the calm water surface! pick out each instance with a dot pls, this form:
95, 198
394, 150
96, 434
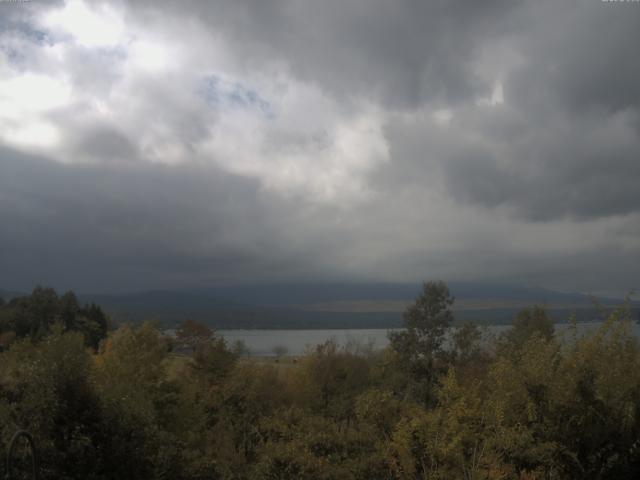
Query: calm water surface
296, 342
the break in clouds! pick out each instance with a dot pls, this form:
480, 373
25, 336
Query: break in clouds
155, 144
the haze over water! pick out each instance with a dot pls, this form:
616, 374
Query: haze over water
297, 342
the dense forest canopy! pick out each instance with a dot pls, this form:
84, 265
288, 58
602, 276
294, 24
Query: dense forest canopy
124, 404
35, 315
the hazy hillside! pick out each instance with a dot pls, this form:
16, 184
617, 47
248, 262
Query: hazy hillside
363, 305
333, 305
7, 295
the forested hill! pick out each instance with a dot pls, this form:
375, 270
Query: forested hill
335, 305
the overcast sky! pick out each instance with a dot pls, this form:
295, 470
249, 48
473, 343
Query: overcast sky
175, 144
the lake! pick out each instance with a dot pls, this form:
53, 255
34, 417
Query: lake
296, 342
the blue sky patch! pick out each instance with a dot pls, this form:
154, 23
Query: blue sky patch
223, 94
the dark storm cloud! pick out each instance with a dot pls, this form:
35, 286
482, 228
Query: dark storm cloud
577, 93
106, 143
139, 226
585, 168
579, 56
566, 141
581, 168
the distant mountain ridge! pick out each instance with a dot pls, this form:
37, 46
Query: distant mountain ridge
333, 305
309, 293
8, 295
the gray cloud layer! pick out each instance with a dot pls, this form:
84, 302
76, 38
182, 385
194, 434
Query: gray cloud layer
401, 54
282, 139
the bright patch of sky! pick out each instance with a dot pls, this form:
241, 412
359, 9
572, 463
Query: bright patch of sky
323, 156
24, 101
97, 26
289, 135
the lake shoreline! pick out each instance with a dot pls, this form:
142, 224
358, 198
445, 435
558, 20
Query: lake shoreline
267, 342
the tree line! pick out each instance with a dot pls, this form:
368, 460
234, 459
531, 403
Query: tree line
35, 315
440, 402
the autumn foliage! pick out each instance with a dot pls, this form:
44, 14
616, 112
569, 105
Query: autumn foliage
441, 402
